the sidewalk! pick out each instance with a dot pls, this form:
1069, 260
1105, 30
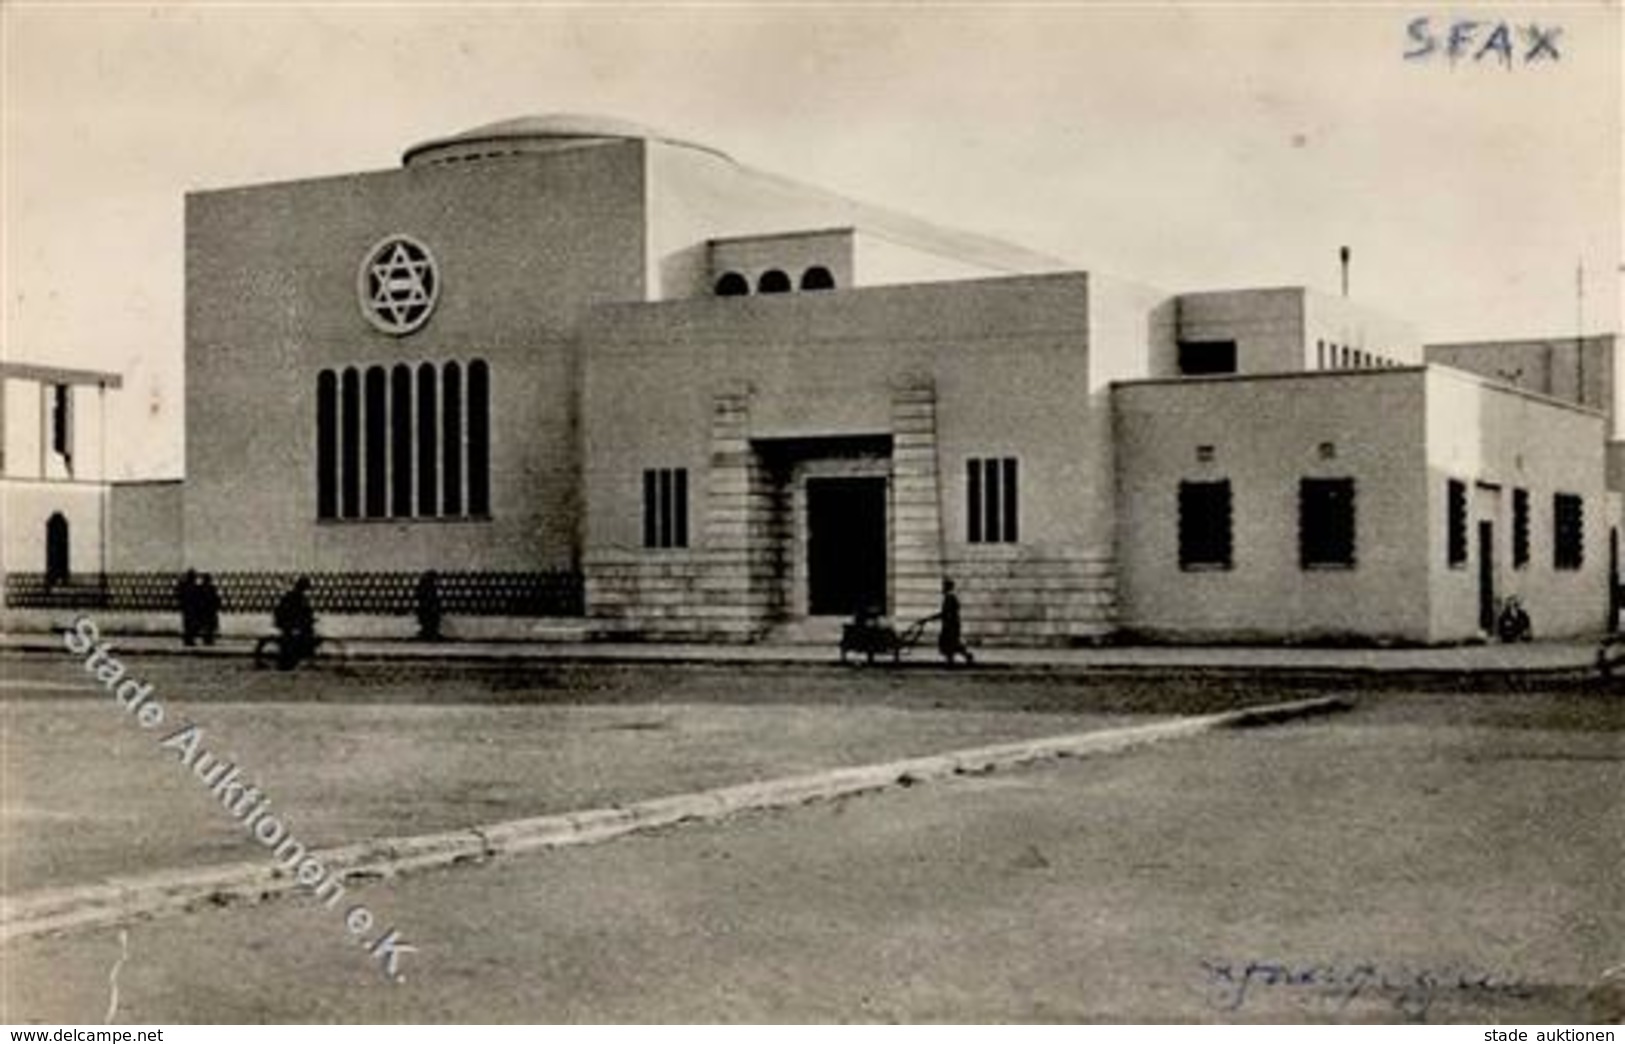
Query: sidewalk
1556, 658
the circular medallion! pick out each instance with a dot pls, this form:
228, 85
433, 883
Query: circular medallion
398, 285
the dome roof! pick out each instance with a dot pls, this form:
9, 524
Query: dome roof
538, 134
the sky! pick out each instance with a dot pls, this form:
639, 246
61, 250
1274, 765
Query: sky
1189, 146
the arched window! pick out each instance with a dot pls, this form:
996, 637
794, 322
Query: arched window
451, 401
428, 444
732, 284
773, 281
350, 442
817, 278
56, 549
479, 438
400, 441
377, 440
327, 445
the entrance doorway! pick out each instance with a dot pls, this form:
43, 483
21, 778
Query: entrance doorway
1486, 577
846, 545
56, 549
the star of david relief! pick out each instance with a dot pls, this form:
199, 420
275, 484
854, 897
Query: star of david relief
398, 285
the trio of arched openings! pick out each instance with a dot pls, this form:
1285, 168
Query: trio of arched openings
774, 281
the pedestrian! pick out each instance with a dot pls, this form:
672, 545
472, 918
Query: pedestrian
951, 638
208, 609
428, 607
295, 622
186, 600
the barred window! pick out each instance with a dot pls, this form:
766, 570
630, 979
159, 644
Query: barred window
1568, 531
1326, 523
1520, 528
1205, 535
403, 442
1456, 522
665, 507
991, 514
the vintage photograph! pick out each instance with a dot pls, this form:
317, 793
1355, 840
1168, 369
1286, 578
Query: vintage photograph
809, 514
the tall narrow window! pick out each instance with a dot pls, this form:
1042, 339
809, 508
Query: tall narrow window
350, 443
376, 424
1456, 523
665, 507
479, 438
1520, 528
327, 446
1204, 525
451, 501
991, 500
428, 443
1320, 355
1568, 531
1326, 523
62, 420
400, 441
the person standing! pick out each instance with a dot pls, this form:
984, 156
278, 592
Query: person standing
186, 600
208, 609
428, 607
295, 622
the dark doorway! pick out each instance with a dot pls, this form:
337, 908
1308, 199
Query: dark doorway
1613, 580
1486, 577
56, 549
846, 545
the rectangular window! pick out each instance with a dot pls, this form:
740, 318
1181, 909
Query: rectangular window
1204, 525
1568, 531
1200, 358
1456, 523
1326, 523
1520, 528
327, 447
992, 502
665, 507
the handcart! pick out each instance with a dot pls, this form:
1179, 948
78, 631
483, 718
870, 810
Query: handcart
872, 638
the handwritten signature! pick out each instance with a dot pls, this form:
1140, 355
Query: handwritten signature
1412, 990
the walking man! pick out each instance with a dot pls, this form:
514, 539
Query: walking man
951, 638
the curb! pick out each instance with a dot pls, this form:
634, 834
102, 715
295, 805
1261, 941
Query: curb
342, 655
120, 899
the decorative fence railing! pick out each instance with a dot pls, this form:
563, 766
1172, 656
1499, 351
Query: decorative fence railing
557, 593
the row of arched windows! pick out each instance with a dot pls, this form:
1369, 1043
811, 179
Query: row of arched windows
774, 281
404, 442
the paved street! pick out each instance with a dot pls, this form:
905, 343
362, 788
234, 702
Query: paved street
1452, 857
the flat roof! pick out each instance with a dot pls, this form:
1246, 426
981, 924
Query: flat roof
59, 374
1466, 376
